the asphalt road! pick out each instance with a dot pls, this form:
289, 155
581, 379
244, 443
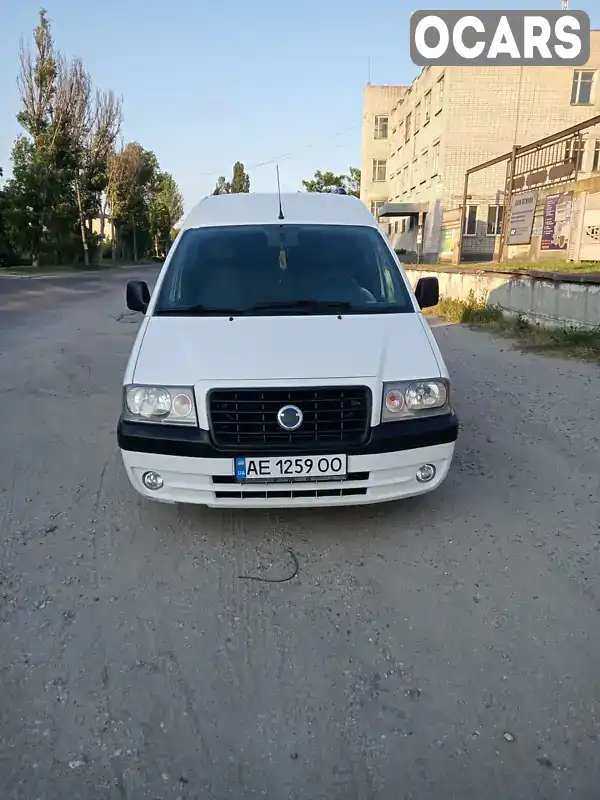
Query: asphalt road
445, 647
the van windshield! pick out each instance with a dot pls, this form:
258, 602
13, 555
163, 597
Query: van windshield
282, 269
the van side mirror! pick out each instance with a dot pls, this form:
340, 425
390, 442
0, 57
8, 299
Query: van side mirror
138, 296
427, 292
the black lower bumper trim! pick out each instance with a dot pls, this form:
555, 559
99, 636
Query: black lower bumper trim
389, 437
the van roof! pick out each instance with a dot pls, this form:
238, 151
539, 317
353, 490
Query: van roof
262, 209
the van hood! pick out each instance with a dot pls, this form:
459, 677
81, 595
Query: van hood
181, 351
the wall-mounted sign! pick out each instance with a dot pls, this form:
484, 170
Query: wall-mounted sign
538, 226
520, 221
558, 210
449, 239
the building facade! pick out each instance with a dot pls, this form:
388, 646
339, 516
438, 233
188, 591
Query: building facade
419, 140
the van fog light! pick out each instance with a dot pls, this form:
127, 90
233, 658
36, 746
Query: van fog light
426, 473
153, 481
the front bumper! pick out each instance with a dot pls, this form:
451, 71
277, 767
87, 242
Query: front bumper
194, 471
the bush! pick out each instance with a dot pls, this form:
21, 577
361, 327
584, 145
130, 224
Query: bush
569, 341
470, 310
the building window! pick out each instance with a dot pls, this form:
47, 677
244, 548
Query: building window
405, 179
425, 172
581, 91
495, 215
471, 221
396, 226
379, 170
407, 127
427, 107
376, 206
435, 159
381, 127
417, 117
574, 151
440, 94
413, 174
596, 160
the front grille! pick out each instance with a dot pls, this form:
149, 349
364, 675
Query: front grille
287, 494
351, 476
333, 417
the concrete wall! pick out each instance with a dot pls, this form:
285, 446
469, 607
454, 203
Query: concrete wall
548, 300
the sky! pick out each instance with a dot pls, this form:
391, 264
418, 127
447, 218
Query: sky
206, 83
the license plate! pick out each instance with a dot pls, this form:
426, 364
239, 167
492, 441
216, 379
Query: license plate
290, 469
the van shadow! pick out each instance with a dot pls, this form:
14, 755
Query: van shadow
353, 527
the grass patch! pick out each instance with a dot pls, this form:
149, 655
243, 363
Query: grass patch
74, 269
573, 342
56, 270
573, 267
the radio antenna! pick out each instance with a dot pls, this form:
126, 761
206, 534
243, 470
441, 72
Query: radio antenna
279, 193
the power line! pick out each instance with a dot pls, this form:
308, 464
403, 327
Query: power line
286, 156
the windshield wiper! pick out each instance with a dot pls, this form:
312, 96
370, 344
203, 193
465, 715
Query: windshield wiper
196, 310
304, 305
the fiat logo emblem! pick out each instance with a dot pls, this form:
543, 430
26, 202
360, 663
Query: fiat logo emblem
290, 418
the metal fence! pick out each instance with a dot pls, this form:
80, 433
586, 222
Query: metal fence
541, 165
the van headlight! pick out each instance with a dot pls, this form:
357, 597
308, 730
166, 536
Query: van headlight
167, 404
410, 399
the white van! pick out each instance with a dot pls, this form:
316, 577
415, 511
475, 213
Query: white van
283, 361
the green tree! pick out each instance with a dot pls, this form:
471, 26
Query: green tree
132, 173
94, 126
165, 209
39, 161
353, 182
65, 169
6, 250
71, 129
34, 188
222, 186
240, 182
328, 181
324, 182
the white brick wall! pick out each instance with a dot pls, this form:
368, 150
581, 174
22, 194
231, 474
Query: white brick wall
377, 100
486, 110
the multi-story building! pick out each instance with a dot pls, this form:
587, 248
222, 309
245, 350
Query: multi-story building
418, 141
